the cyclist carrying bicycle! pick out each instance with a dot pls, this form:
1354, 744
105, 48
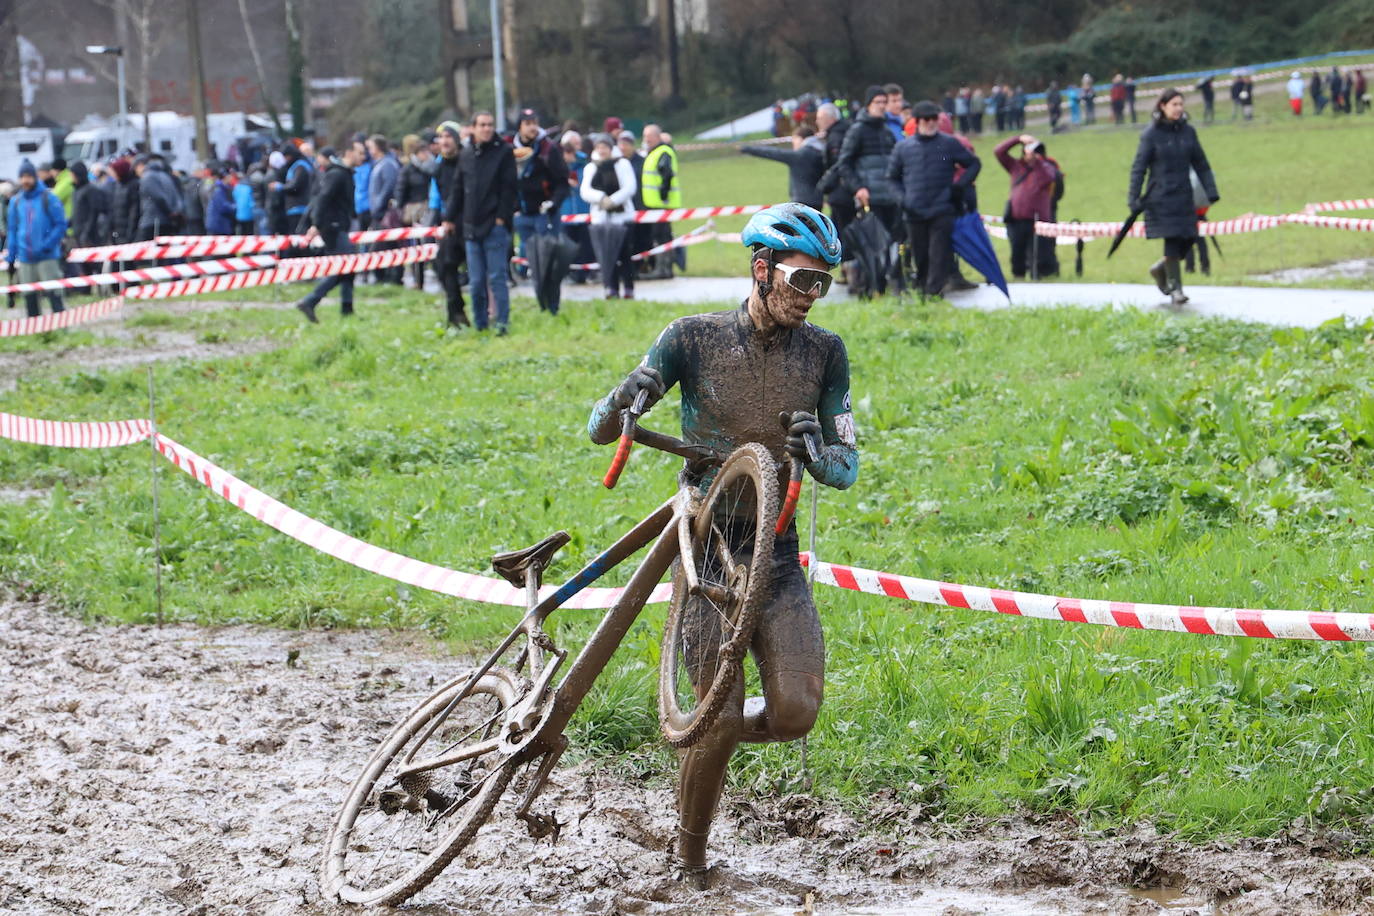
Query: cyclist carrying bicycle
739, 371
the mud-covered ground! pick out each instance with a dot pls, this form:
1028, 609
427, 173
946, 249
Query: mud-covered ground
190, 770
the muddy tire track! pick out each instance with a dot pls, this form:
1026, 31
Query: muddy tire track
193, 770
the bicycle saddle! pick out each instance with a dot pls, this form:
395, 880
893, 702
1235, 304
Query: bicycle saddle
512, 565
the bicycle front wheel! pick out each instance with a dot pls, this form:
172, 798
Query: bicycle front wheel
400, 826
729, 549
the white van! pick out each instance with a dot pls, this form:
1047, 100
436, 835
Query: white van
20, 143
173, 137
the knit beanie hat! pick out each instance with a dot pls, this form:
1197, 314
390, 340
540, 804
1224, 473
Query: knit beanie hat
872, 91
26, 168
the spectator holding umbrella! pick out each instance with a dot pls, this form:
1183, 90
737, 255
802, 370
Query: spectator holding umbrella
1168, 149
922, 167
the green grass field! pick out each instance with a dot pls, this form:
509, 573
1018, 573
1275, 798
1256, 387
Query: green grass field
1126, 455
1274, 164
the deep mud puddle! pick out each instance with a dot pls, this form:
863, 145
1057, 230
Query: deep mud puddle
190, 770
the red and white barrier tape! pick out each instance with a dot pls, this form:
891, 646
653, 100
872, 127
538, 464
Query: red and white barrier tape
289, 271
63, 319
1326, 206
195, 246
362, 554
1332, 222
73, 435
1266, 624
1210, 621
147, 274
673, 216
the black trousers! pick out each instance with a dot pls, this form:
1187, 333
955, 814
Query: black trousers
929, 243
1027, 249
842, 213
448, 266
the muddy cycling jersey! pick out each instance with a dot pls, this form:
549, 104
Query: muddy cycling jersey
735, 380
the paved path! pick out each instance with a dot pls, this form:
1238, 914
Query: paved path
1269, 305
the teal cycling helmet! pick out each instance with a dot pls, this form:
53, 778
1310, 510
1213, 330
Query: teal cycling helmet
793, 227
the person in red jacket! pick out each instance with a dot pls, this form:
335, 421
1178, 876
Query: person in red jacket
1035, 187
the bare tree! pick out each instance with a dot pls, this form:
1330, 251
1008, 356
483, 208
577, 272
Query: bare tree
267, 100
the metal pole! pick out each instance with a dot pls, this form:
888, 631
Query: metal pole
497, 67
123, 102
157, 518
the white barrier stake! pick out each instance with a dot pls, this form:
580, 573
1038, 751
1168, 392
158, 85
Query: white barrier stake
157, 518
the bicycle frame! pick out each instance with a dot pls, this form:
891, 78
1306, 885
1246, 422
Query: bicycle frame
534, 726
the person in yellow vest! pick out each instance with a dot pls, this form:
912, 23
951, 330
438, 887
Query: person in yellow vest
662, 190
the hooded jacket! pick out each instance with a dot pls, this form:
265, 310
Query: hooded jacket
543, 175
158, 197
483, 188
331, 211
90, 210
219, 215
923, 167
864, 159
36, 224
1167, 151
805, 166
124, 206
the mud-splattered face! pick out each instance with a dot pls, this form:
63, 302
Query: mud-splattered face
785, 306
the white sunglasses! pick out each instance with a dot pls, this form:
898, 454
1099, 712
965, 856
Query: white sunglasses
806, 280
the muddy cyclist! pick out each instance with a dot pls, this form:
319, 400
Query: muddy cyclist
740, 373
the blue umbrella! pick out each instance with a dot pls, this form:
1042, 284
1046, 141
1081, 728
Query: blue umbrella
971, 242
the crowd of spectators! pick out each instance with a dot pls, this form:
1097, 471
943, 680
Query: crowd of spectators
496, 194
486, 189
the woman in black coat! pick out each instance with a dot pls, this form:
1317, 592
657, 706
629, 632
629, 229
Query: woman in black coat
1169, 147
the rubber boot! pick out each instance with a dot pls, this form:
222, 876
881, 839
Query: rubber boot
1160, 276
1176, 296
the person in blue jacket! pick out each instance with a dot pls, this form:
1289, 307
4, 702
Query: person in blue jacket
36, 223
219, 215
243, 206
362, 176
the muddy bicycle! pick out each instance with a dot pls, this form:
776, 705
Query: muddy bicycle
438, 777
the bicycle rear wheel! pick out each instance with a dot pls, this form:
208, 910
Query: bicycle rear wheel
397, 829
730, 550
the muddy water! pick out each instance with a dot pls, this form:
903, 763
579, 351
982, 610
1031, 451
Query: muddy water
195, 771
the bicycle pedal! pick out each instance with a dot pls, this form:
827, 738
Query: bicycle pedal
543, 825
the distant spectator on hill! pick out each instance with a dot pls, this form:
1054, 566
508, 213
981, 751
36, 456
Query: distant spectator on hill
977, 107
1117, 97
1209, 99
1130, 97
1317, 88
1017, 119
1054, 101
961, 110
1087, 95
1360, 90
1297, 87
